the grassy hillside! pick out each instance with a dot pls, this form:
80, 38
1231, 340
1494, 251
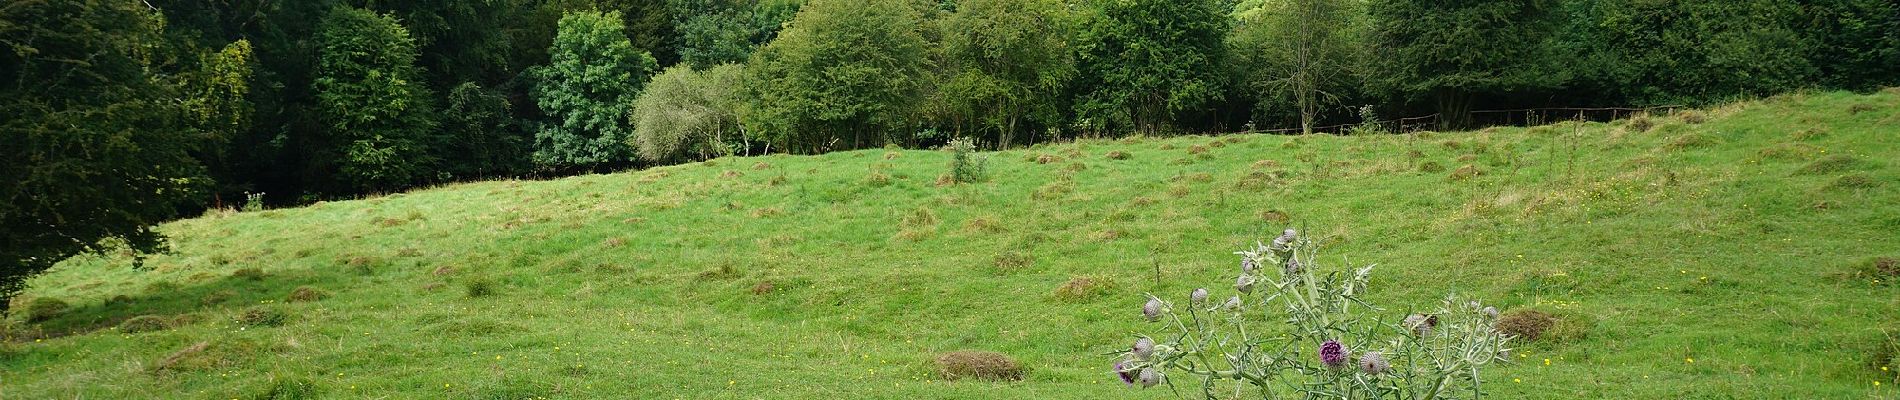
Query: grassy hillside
1718, 253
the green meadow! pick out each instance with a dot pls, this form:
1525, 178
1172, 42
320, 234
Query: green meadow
1731, 252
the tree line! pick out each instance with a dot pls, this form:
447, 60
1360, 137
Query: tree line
119, 114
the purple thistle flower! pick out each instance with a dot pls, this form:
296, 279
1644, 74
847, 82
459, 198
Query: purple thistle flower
1247, 265
1244, 284
1293, 267
1199, 296
1285, 241
1144, 348
1332, 354
1127, 376
1152, 310
1374, 363
1149, 377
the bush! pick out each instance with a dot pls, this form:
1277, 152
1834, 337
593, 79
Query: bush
686, 114
974, 364
965, 165
45, 308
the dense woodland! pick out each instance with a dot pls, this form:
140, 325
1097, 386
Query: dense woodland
118, 114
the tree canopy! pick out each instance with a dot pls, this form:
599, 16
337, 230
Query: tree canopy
593, 76
98, 148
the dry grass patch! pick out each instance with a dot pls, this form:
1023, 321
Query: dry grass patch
1084, 287
1117, 155
984, 224
306, 294
980, 365
1467, 171
1526, 325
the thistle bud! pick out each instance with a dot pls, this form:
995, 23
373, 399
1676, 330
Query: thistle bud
1244, 284
1421, 324
1199, 296
1247, 265
1491, 312
1152, 310
1293, 267
1374, 363
1144, 348
1233, 303
1332, 354
1149, 377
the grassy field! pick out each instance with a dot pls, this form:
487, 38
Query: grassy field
1721, 253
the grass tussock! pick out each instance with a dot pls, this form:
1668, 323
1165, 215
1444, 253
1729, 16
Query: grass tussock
1084, 288
250, 274
978, 365
304, 294
261, 316
144, 323
1853, 182
1832, 164
41, 309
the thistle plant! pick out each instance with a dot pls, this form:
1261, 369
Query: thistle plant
1325, 341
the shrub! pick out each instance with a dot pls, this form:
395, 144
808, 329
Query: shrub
685, 114
1336, 345
965, 165
143, 323
261, 316
1526, 324
45, 308
975, 364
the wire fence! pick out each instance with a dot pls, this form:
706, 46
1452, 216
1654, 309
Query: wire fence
1517, 117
